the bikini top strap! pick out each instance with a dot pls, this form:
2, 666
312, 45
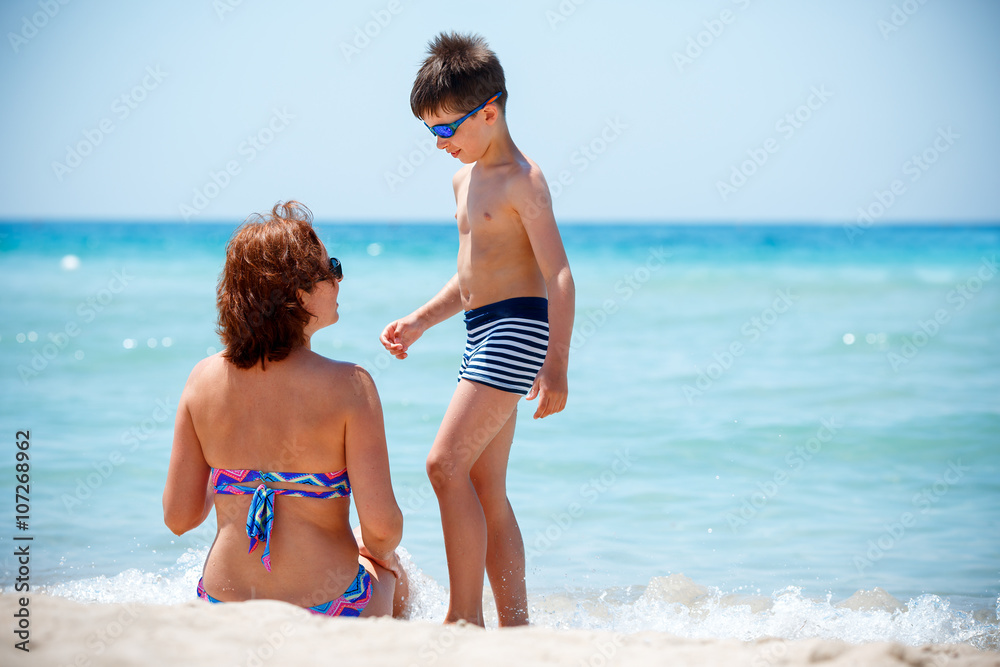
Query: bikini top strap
227, 481
260, 515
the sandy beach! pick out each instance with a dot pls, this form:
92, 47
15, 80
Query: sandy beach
64, 632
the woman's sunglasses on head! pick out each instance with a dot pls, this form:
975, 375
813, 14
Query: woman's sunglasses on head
448, 130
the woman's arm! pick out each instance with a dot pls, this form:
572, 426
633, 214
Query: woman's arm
187, 499
368, 468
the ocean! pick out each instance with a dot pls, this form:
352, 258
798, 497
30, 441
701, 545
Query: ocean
772, 430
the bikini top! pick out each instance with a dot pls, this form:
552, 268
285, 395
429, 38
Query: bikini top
260, 516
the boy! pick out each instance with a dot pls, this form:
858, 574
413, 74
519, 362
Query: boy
515, 286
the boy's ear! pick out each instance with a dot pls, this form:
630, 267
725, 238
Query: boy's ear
490, 114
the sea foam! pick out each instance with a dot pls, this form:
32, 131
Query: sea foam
671, 604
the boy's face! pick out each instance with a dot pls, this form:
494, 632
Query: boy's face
471, 138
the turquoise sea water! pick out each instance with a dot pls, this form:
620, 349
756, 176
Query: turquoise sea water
763, 420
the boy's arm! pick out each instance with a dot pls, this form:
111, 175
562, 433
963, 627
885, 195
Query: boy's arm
530, 198
398, 336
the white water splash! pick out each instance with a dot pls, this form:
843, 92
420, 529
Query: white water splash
675, 605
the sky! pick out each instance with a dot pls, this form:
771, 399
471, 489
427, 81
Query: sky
716, 111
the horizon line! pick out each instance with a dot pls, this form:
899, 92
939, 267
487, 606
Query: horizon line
571, 222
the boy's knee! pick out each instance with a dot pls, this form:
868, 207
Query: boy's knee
489, 491
440, 471
496, 507
496, 512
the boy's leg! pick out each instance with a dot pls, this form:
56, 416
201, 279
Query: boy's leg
505, 548
474, 417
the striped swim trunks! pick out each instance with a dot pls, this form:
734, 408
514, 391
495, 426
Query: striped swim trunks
506, 343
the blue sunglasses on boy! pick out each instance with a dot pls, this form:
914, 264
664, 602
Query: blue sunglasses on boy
448, 130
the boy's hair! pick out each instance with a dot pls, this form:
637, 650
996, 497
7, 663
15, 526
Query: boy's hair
460, 73
268, 259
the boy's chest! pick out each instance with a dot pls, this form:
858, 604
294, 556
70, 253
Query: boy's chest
482, 208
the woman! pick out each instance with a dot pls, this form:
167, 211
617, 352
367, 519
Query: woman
269, 404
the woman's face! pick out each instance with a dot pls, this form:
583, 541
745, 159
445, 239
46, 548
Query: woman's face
321, 301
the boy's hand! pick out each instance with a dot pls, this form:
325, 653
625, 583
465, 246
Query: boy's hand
551, 388
398, 336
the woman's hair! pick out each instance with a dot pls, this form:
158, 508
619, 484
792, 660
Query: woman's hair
268, 259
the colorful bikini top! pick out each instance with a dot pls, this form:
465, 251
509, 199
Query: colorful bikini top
260, 516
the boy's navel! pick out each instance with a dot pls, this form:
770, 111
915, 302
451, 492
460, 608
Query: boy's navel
487, 216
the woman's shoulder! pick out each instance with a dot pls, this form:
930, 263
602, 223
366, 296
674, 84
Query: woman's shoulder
345, 387
206, 369
344, 374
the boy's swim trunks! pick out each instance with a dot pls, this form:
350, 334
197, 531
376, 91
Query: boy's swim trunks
506, 343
